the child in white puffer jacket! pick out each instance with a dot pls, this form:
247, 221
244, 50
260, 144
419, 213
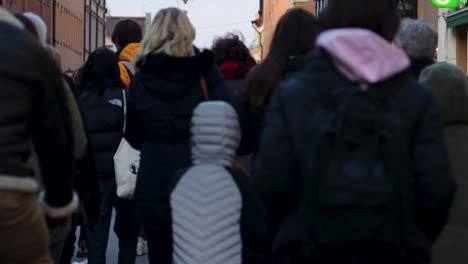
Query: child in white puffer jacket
216, 217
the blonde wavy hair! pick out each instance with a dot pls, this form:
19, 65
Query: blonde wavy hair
171, 33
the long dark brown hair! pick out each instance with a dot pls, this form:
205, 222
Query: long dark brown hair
100, 71
294, 35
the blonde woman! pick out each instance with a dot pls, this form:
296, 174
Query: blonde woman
164, 92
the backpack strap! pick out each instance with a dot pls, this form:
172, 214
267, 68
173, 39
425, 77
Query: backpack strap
130, 67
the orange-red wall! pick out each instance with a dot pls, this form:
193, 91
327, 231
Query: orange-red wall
272, 12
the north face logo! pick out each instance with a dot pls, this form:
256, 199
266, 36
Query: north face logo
117, 102
134, 168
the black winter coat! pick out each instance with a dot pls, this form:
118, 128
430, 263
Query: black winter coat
419, 64
33, 110
104, 117
283, 157
160, 104
251, 117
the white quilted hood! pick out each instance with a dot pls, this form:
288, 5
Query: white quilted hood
215, 133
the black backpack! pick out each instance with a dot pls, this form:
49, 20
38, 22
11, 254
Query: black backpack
357, 205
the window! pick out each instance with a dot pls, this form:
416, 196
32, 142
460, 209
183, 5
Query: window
320, 6
408, 8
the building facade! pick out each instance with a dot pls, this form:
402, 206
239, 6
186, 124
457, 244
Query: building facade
273, 10
67, 32
256, 48
420, 9
453, 37
94, 26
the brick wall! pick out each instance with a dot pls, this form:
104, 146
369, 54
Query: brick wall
273, 10
309, 6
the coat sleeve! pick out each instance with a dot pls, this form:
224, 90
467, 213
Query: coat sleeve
434, 184
273, 169
254, 233
53, 141
134, 130
80, 139
251, 122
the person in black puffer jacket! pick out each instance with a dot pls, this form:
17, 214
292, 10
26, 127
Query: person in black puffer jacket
164, 92
101, 101
306, 211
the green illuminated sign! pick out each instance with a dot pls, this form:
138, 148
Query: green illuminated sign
448, 3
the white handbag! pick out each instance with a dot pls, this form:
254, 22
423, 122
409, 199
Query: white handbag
126, 163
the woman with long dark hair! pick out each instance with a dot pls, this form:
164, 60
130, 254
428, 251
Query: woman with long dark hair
294, 36
101, 100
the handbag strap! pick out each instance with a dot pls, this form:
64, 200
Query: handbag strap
124, 110
204, 88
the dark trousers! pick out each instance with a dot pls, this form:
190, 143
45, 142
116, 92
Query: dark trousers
159, 245
69, 248
125, 227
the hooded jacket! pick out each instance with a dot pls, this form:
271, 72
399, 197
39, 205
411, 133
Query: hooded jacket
227, 212
126, 56
34, 110
103, 115
450, 88
162, 97
348, 57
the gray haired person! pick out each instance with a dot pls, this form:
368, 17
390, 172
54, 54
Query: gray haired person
419, 40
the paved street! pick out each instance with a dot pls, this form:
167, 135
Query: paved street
113, 250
